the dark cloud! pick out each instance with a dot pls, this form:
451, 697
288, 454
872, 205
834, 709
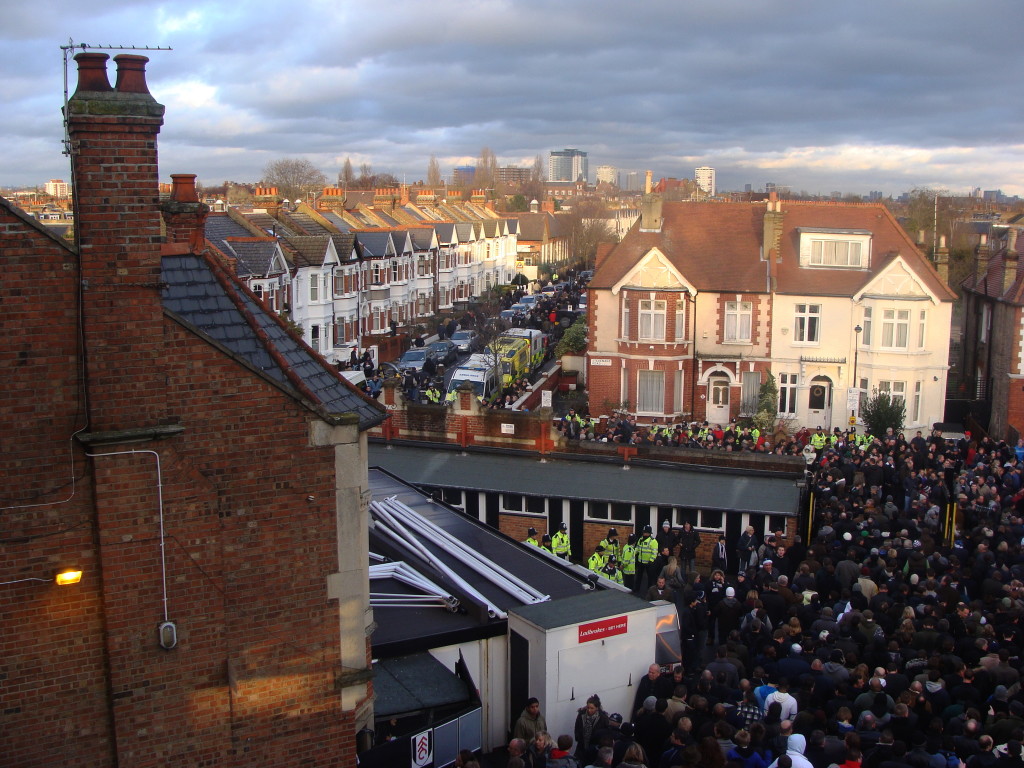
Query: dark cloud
817, 96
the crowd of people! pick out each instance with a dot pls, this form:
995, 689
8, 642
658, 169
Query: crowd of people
886, 640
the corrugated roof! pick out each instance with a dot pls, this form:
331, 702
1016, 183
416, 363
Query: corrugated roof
200, 293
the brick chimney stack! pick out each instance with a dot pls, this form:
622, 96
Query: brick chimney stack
942, 259
184, 215
117, 221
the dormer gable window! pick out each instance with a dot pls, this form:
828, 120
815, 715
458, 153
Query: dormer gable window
835, 248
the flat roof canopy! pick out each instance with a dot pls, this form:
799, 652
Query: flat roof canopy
678, 486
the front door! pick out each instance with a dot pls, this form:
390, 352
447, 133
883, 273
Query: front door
819, 403
718, 400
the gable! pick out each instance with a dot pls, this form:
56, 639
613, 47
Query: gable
896, 281
654, 270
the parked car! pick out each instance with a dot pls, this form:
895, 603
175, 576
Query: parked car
413, 359
443, 352
586, 276
466, 341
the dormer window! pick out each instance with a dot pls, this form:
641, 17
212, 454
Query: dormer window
835, 249
835, 253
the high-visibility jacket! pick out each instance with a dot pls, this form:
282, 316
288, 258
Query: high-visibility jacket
532, 540
433, 396
818, 440
628, 559
611, 547
646, 550
596, 562
450, 397
560, 544
612, 574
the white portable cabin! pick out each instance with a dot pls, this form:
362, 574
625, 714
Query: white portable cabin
563, 651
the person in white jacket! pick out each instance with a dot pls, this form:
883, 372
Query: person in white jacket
786, 701
795, 752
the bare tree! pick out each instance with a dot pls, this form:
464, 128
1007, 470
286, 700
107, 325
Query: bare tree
433, 172
486, 170
294, 177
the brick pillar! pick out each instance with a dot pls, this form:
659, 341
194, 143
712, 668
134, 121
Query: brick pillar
114, 166
184, 216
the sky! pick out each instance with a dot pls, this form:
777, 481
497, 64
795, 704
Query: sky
811, 95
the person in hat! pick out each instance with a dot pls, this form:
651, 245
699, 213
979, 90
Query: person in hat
545, 543
627, 562
560, 542
531, 537
646, 559
667, 537
611, 543
597, 560
611, 570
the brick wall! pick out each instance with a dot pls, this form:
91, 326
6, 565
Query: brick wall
249, 506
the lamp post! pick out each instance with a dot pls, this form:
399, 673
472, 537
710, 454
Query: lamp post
856, 385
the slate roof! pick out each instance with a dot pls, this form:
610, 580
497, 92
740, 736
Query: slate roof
445, 231
310, 250
422, 237
253, 256
201, 293
220, 226
309, 224
337, 221
375, 244
534, 227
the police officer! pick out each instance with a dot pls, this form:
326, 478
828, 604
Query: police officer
611, 570
819, 440
531, 537
560, 542
433, 395
611, 543
545, 543
646, 557
450, 397
596, 561
628, 561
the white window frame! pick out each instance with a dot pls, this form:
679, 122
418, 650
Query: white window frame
625, 319
718, 391
865, 337
680, 322
842, 254
894, 389
651, 319
650, 392
738, 322
918, 397
788, 394
807, 324
315, 340
922, 328
895, 323
314, 287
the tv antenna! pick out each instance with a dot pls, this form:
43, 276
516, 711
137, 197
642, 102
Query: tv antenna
73, 46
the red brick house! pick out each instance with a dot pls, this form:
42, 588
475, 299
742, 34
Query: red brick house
203, 469
701, 301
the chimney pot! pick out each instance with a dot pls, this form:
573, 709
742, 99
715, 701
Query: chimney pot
92, 72
183, 189
131, 73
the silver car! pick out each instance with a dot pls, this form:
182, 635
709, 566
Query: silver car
466, 341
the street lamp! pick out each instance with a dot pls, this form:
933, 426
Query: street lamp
856, 348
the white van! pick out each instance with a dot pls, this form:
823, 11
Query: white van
479, 371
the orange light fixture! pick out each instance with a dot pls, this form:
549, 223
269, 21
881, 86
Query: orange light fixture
64, 578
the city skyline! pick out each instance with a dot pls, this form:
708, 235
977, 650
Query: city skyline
879, 97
